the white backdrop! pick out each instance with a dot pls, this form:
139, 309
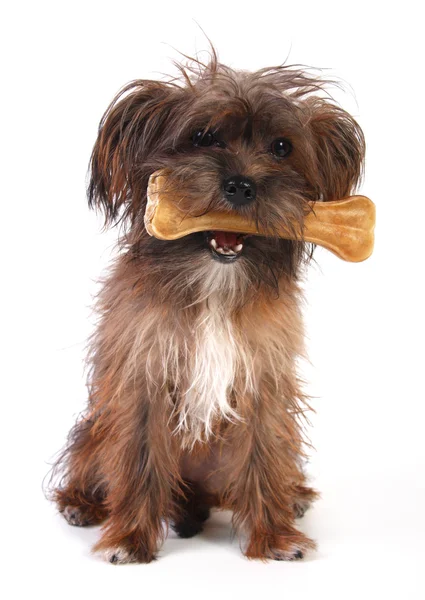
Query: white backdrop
62, 63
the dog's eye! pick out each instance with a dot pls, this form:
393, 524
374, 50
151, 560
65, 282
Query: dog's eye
281, 147
204, 139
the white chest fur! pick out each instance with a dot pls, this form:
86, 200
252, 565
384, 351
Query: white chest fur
211, 373
218, 357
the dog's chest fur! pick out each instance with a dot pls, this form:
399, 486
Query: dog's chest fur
213, 355
216, 360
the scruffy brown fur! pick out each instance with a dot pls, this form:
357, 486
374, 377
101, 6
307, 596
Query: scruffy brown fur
194, 397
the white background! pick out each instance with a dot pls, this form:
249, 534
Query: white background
62, 63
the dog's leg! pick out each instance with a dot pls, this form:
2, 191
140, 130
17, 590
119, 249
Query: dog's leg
81, 496
264, 487
141, 466
192, 512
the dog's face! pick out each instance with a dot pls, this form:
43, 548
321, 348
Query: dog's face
261, 143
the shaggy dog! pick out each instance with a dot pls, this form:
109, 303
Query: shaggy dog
194, 397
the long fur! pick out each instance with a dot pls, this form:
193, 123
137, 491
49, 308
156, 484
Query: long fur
194, 395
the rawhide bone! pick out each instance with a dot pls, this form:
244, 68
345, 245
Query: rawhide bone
345, 227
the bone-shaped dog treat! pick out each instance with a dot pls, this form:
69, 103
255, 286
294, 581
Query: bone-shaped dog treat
345, 227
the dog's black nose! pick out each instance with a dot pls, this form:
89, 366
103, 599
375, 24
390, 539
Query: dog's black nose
239, 190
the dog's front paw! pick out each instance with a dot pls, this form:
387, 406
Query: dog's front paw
288, 546
291, 553
118, 556
132, 548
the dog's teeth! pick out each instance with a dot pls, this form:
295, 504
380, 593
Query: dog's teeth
226, 251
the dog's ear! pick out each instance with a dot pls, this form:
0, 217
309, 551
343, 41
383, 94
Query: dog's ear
340, 149
130, 130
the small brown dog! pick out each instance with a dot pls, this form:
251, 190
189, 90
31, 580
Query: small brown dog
194, 396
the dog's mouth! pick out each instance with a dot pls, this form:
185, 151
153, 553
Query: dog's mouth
225, 246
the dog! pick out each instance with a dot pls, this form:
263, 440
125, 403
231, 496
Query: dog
194, 398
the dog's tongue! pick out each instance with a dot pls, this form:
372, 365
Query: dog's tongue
226, 239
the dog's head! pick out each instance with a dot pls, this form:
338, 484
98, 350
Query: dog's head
262, 143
